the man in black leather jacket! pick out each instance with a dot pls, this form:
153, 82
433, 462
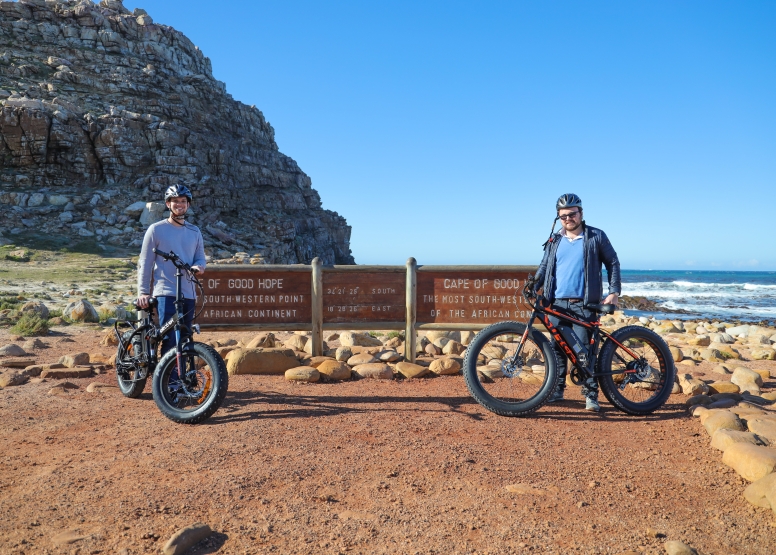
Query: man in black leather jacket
571, 277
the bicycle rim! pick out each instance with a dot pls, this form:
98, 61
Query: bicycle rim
640, 384
504, 382
196, 387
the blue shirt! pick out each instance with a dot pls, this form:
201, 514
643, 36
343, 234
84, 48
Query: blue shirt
570, 268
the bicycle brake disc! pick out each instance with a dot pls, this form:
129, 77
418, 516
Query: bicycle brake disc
511, 367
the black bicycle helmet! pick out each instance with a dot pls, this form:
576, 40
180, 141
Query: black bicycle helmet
178, 191
569, 200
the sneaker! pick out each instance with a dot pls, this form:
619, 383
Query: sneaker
557, 395
592, 405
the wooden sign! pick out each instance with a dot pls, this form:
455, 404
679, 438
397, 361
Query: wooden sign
363, 296
243, 297
471, 296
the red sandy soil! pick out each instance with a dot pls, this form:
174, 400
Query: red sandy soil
411, 466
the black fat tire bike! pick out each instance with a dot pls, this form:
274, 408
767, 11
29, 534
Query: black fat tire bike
511, 369
190, 382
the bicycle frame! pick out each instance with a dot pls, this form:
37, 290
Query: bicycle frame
150, 335
543, 313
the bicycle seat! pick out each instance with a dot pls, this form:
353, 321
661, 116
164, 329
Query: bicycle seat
602, 308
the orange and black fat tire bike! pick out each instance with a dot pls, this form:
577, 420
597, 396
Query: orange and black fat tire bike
511, 368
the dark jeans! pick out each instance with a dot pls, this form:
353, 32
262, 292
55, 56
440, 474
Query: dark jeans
575, 310
166, 312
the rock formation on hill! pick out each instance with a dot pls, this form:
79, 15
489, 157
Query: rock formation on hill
102, 108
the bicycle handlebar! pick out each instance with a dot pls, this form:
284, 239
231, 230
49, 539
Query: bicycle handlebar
175, 259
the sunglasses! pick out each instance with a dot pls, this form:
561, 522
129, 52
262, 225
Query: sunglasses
565, 217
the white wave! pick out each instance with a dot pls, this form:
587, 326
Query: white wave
674, 294
755, 286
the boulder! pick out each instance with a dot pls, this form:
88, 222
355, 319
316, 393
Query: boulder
12, 378
62, 373
296, 342
723, 438
410, 370
81, 311
388, 356
343, 353
764, 427
722, 419
152, 213
766, 353
433, 335
432, 350
303, 374
335, 370
377, 371
466, 337
260, 361
764, 373
723, 387
262, 341
445, 367
721, 369
315, 362
700, 341
453, 348
74, 359
440, 342
752, 462
692, 386
355, 339
675, 547
743, 376
666, 327
363, 358
35, 307
676, 352
185, 538
712, 355
12, 350
135, 209
308, 348
760, 492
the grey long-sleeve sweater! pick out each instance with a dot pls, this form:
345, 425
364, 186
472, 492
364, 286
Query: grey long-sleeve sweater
185, 241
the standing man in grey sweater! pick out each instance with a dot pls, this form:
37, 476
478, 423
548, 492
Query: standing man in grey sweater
156, 276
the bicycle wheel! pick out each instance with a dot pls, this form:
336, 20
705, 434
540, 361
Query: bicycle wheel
197, 394
639, 385
506, 384
129, 374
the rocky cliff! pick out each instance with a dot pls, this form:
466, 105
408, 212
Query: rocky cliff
102, 108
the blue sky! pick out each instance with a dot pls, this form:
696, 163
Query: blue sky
445, 130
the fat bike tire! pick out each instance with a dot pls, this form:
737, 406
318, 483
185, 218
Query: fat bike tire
129, 383
646, 390
202, 390
503, 387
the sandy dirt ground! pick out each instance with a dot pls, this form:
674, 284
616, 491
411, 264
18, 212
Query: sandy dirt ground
411, 466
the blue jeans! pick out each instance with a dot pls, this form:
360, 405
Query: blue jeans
166, 310
578, 311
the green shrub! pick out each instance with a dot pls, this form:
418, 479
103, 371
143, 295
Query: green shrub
31, 324
105, 313
395, 333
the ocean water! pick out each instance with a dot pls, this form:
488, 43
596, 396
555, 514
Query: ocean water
748, 296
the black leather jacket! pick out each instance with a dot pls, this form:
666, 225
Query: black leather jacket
598, 251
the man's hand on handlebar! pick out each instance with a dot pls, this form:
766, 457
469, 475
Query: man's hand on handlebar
142, 301
197, 270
